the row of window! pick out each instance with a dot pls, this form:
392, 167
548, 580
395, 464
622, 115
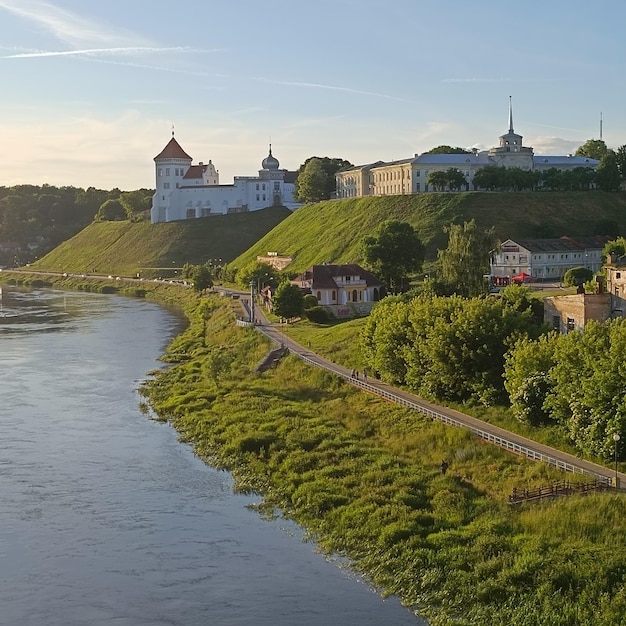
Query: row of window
178, 171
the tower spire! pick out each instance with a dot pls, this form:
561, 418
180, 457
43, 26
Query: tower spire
510, 114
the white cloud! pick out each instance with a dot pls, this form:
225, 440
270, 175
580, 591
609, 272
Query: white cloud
555, 146
67, 26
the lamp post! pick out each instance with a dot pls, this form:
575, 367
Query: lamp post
616, 438
252, 301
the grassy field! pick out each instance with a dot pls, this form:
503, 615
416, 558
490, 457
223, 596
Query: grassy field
362, 475
125, 248
332, 231
328, 231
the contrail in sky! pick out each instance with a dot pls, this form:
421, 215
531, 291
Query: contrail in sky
100, 51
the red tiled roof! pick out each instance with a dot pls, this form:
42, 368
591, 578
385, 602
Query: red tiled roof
195, 171
172, 151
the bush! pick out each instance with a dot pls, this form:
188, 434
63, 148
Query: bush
577, 276
317, 314
310, 301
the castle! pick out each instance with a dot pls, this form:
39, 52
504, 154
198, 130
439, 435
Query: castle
185, 191
408, 176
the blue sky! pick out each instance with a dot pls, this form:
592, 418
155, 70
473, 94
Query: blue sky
90, 90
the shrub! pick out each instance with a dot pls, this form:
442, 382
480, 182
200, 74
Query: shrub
317, 314
310, 301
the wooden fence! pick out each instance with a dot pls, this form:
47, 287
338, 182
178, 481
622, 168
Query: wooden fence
556, 490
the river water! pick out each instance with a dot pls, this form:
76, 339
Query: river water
106, 519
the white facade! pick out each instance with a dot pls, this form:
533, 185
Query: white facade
547, 259
186, 191
409, 176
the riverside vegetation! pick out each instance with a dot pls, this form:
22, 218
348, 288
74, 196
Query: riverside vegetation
362, 476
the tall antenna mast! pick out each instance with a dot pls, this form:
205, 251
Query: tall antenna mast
600, 125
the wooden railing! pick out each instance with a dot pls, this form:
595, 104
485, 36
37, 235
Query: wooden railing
556, 490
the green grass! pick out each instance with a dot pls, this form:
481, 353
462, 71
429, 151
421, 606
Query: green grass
125, 248
361, 475
332, 231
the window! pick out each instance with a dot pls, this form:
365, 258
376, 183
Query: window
160, 172
556, 322
263, 186
166, 185
334, 295
257, 187
263, 197
257, 196
167, 171
276, 186
417, 173
618, 274
570, 324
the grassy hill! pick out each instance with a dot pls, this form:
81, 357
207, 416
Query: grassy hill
126, 248
332, 231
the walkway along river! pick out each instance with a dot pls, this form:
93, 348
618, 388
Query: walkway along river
493, 434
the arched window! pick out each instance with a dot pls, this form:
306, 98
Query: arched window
354, 295
334, 298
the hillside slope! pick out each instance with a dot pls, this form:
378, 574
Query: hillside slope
332, 231
126, 248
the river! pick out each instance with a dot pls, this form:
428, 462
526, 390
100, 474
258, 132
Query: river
106, 519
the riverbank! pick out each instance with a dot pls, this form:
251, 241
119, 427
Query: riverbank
363, 477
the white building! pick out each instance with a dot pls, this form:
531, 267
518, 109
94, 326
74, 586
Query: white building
185, 191
409, 176
547, 259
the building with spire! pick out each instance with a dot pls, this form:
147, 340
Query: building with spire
409, 176
185, 191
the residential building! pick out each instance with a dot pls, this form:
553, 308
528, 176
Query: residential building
186, 191
410, 175
345, 290
546, 259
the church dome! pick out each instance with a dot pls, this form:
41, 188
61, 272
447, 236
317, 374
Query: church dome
270, 162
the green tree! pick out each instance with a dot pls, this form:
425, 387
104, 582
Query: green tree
577, 276
202, 277
490, 177
316, 178
111, 211
589, 380
288, 301
447, 150
465, 261
593, 149
620, 156
260, 274
527, 378
607, 174
393, 252
616, 247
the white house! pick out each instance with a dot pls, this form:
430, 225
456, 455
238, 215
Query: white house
186, 191
409, 176
546, 259
345, 290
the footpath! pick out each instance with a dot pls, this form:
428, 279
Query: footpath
511, 442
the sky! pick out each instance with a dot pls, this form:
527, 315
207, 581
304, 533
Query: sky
91, 91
